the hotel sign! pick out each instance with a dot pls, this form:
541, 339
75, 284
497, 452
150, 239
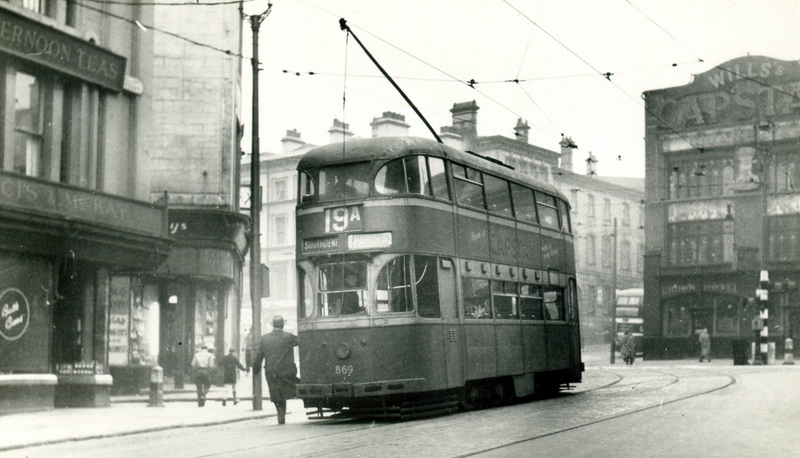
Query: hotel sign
47, 46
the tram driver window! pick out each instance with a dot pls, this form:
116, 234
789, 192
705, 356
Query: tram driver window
477, 299
343, 288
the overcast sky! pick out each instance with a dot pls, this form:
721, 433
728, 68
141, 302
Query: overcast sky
558, 50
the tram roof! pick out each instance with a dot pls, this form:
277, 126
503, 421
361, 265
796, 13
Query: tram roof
385, 148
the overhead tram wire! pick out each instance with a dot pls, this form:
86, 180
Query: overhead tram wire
195, 3
150, 27
664, 30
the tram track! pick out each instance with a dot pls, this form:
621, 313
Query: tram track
361, 439
676, 379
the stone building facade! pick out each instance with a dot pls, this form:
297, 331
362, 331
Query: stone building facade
722, 167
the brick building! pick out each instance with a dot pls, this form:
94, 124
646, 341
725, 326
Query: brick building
722, 167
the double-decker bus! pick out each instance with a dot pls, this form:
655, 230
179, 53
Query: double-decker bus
430, 279
629, 315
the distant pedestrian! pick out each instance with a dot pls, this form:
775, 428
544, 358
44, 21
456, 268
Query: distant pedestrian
276, 349
229, 363
705, 345
202, 364
628, 348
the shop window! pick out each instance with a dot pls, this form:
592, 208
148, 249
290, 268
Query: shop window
726, 318
207, 300
677, 320
28, 124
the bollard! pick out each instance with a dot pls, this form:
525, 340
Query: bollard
156, 387
788, 353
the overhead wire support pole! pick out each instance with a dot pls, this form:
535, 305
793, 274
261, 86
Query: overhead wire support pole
255, 211
343, 25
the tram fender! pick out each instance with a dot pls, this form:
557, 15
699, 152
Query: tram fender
523, 385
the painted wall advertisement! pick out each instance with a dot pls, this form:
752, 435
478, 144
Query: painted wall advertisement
119, 321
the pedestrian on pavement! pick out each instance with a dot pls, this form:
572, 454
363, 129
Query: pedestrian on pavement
628, 348
229, 363
276, 349
202, 364
705, 345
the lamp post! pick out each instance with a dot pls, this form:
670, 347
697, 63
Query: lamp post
612, 359
255, 210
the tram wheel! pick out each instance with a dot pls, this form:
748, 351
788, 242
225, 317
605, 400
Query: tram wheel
471, 397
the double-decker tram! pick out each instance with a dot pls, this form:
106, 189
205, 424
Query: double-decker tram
430, 279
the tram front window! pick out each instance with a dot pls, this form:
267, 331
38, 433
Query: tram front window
343, 289
343, 182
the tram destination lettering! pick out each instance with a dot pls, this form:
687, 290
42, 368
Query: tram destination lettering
321, 245
344, 219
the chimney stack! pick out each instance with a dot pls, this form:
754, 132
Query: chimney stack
567, 145
451, 137
521, 130
291, 141
390, 125
465, 119
340, 131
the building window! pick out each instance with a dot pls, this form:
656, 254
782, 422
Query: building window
606, 209
640, 259
590, 250
573, 200
784, 238
608, 254
626, 214
279, 230
279, 280
279, 190
28, 124
698, 179
590, 207
625, 255
697, 243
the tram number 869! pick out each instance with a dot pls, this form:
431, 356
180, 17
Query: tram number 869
344, 370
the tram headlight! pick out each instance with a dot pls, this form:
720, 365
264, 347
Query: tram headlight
343, 351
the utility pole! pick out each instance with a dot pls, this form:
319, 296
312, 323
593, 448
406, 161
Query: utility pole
614, 297
255, 211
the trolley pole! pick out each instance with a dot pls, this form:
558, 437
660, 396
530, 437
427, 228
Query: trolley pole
255, 211
614, 297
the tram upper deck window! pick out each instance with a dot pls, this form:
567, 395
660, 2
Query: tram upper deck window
393, 290
498, 199
548, 213
413, 175
306, 188
343, 182
524, 205
468, 187
343, 288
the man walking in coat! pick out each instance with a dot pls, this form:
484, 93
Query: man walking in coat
276, 349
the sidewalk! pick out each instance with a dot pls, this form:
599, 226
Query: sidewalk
131, 414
